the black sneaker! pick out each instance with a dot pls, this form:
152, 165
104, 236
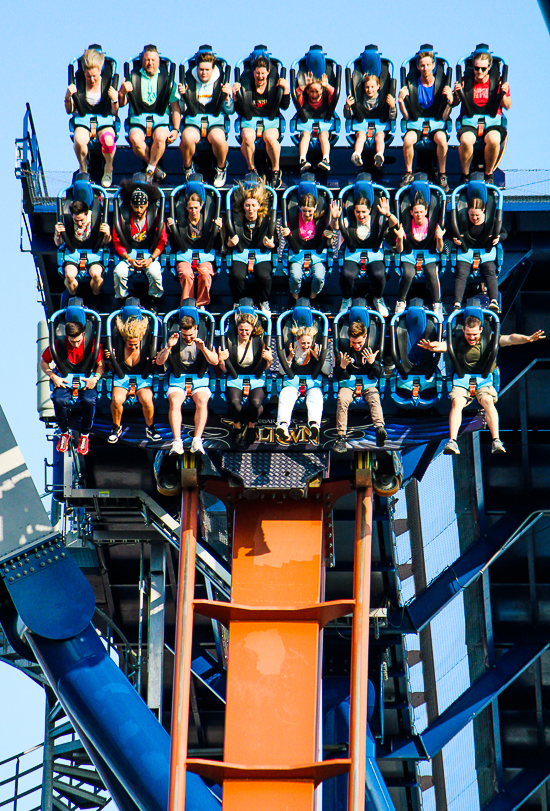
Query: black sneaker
407, 178
324, 165
340, 445
276, 179
114, 436
464, 179
305, 165
282, 434
443, 182
381, 436
313, 433
152, 434
490, 178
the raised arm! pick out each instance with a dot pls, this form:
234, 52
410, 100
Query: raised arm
514, 339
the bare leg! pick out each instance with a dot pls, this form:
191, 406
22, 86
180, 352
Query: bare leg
136, 137
248, 147
379, 143
324, 143
441, 145
492, 148
360, 140
159, 145
220, 147
409, 140
71, 282
455, 417
201, 398
145, 397
190, 137
175, 401
118, 398
81, 140
304, 145
96, 278
488, 405
466, 151
273, 147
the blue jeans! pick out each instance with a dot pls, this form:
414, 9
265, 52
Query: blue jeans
87, 398
317, 272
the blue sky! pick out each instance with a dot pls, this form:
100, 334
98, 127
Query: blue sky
39, 39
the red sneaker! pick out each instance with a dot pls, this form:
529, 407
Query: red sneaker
63, 444
83, 444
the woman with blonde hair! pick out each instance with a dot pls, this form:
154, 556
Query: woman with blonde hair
93, 102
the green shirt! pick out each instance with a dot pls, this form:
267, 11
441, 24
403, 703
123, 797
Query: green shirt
149, 86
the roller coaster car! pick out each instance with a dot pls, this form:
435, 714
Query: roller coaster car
477, 250
373, 247
206, 328
207, 248
416, 381
375, 325
481, 117
93, 116
317, 63
196, 114
425, 120
229, 341
235, 226
298, 249
75, 312
302, 315
490, 334
436, 200
360, 118
148, 349
144, 115
244, 98
82, 253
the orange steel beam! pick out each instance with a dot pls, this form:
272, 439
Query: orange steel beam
184, 638
360, 649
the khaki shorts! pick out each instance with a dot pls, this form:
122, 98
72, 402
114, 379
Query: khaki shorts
459, 391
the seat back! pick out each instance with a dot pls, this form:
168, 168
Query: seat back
167, 74
186, 68
122, 214
94, 196
410, 79
229, 339
109, 77
370, 62
302, 315
498, 75
315, 61
493, 200
235, 217
206, 328
291, 209
75, 312
244, 75
211, 199
362, 188
149, 342
407, 329
435, 199
490, 325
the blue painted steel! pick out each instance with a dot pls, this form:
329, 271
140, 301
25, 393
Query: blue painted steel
414, 617
60, 586
518, 790
115, 719
211, 674
467, 706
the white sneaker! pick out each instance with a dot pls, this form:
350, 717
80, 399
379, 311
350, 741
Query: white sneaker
380, 305
438, 309
197, 446
356, 159
378, 160
264, 307
176, 447
400, 307
346, 304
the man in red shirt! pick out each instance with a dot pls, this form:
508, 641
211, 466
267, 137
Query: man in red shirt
63, 391
493, 131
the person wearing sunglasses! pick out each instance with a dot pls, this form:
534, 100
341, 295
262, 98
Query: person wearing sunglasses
485, 95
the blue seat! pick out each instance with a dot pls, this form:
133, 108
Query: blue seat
243, 75
374, 248
149, 347
229, 339
234, 220
315, 61
206, 330
376, 328
302, 315
425, 120
208, 247
472, 114
141, 114
91, 250
75, 312
490, 324
474, 251
100, 115
289, 213
436, 201
416, 382
370, 62
213, 115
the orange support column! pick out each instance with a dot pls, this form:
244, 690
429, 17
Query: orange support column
275, 619
184, 638
360, 649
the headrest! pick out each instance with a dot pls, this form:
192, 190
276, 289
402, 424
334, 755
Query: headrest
416, 322
195, 186
95, 47
189, 308
420, 187
363, 188
482, 48
358, 312
82, 189
477, 188
371, 62
301, 314
473, 308
425, 47
132, 309
246, 305
259, 50
75, 313
204, 49
307, 185
250, 179
315, 61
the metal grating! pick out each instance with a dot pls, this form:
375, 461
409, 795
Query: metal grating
268, 471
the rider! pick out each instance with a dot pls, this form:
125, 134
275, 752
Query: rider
192, 350
352, 367
314, 97
82, 233
261, 100
62, 392
147, 83
370, 101
470, 350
